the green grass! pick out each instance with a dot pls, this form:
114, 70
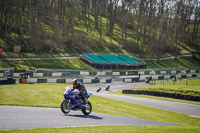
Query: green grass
192, 88
50, 95
112, 129
46, 95
184, 62
38, 55
57, 64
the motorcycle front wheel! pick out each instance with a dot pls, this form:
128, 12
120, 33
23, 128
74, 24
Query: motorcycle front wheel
65, 107
87, 108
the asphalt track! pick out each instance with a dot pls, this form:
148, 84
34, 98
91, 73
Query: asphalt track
19, 117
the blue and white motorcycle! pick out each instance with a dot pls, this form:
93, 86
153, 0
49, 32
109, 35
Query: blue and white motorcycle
73, 101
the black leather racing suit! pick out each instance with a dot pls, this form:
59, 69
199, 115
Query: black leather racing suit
83, 91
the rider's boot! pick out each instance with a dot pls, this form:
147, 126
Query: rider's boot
84, 102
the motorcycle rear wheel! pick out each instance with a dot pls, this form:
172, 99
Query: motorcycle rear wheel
87, 108
65, 107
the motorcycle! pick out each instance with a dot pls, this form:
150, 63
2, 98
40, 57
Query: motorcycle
73, 101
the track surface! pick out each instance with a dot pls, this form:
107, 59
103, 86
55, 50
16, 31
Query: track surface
18, 117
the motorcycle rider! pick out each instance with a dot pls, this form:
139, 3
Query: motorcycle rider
82, 90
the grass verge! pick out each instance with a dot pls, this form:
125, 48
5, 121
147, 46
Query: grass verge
113, 129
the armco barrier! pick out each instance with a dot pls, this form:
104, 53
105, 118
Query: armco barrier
162, 94
68, 73
156, 77
95, 81
61, 81
41, 80
108, 80
8, 81
35, 80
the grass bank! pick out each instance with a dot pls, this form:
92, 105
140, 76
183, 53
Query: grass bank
36, 55
183, 63
54, 64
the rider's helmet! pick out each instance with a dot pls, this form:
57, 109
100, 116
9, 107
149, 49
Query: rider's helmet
75, 82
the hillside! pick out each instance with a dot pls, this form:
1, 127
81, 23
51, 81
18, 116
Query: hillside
70, 28
78, 64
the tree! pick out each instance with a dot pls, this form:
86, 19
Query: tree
112, 14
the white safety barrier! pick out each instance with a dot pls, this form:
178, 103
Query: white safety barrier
127, 80
69, 81
183, 72
162, 72
167, 77
16, 74
39, 74
84, 73
102, 80
154, 77
141, 72
101, 73
142, 78
115, 73
152, 72
1, 74
178, 76
87, 80
192, 71
189, 75
51, 80
173, 72
31, 80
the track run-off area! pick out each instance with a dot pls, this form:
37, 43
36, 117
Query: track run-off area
21, 117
